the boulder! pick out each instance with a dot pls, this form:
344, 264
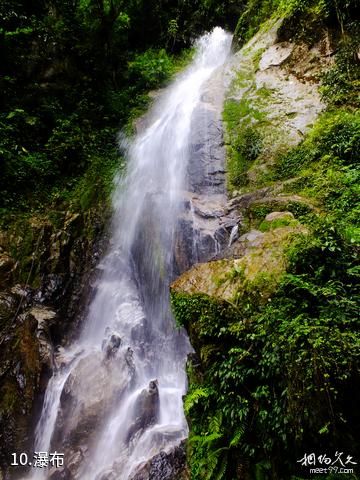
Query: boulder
270, 217
146, 410
111, 345
256, 257
169, 465
95, 383
276, 55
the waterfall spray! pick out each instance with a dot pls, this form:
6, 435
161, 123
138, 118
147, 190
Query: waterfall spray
115, 399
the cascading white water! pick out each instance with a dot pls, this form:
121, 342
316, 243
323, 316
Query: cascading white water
124, 378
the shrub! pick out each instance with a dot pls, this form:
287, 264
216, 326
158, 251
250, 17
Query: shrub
150, 69
249, 144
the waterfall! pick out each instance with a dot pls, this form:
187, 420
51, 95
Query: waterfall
115, 399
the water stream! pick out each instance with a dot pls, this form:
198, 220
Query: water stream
115, 398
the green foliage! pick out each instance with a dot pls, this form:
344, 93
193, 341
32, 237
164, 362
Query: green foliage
245, 142
265, 226
284, 369
150, 69
341, 83
302, 17
193, 397
336, 134
249, 144
255, 12
73, 73
326, 165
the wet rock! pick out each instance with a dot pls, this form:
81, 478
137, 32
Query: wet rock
8, 306
169, 465
204, 229
146, 410
52, 285
44, 317
185, 249
111, 345
90, 391
24, 293
74, 461
129, 358
60, 474
206, 172
108, 475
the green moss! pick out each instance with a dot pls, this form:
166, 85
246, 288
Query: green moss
265, 93
258, 211
9, 397
257, 57
244, 76
326, 166
265, 226
244, 140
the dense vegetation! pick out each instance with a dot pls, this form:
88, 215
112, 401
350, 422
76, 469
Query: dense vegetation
277, 374
72, 74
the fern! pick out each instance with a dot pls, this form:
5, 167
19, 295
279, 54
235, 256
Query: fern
212, 462
234, 442
203, 440
192, 398
221, 473
215, 424
206, 352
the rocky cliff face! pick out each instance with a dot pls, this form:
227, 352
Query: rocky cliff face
272, 89
239, 310
272, 94
45, 273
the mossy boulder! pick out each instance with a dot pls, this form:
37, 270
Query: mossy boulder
261, 264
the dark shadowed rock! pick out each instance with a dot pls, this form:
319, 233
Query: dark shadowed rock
164, 466
61, 474
19, 380
111, 345
7, 265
